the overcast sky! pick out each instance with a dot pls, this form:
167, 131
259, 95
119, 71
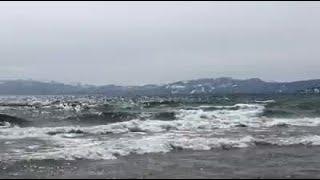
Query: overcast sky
157, 42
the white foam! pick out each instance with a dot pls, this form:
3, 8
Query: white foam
293, 121
193, 129
5, 125
69, 150
224, 118
109, 148
313, 140
204, 143
266, 101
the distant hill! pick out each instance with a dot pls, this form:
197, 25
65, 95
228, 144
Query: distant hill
222, 85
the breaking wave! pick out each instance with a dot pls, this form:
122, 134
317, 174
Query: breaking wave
119, 133
71, 147
6, 120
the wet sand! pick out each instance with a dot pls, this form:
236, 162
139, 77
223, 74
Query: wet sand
258, 162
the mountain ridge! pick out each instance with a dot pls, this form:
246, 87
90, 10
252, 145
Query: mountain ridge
222, 85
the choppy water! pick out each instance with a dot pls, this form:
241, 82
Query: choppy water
101, 128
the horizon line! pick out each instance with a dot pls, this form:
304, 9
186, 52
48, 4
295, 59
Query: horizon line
146, 84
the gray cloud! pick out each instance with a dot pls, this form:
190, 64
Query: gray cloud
157, 42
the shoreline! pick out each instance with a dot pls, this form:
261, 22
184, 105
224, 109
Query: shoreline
258, 162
